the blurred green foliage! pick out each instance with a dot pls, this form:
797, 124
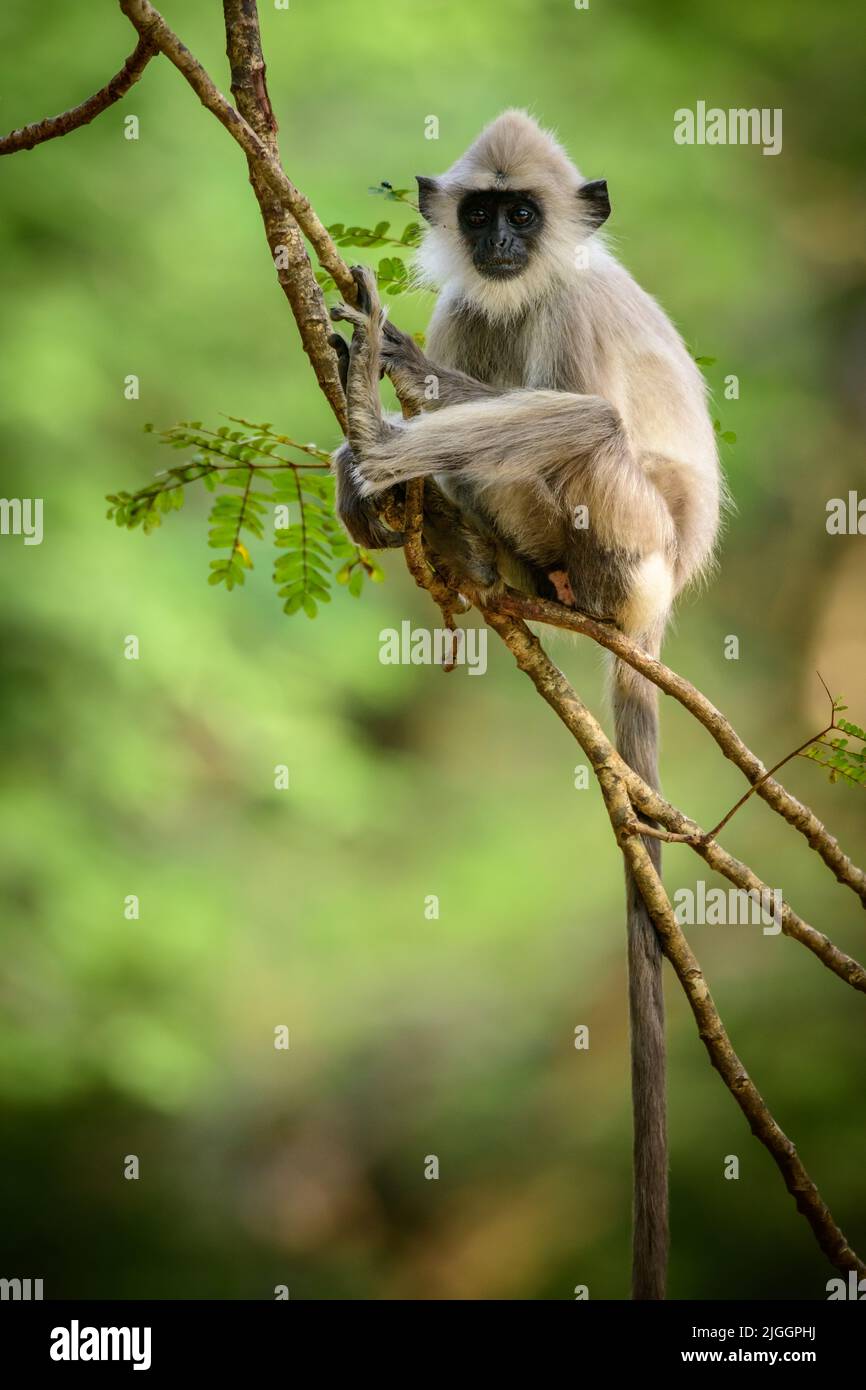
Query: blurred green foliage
305, 907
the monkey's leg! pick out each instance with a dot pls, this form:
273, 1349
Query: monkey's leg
571, 448
367, 426
359, 374
547, 437
461, 548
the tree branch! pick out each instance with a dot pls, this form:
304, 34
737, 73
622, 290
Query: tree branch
292, 264
53, 126
153, 28
552, 685
686, 831
733, 747
583, 725
714, 1037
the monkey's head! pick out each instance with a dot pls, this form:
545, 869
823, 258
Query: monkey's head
506, 222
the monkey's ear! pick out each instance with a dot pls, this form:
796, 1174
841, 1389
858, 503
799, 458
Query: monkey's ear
426, 189
596, 203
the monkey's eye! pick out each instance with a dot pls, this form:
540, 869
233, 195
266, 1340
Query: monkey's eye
520, 216
477, 217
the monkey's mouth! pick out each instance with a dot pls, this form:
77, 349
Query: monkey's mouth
500, 268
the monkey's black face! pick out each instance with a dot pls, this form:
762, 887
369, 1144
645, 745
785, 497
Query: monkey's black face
501, 231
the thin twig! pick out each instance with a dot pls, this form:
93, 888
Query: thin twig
713, 834
53, 126
757, 785
656, 832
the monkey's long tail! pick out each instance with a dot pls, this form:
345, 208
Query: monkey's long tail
635, 708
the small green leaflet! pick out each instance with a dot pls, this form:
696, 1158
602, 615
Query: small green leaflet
266, 486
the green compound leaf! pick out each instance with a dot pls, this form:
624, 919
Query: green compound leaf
267, 486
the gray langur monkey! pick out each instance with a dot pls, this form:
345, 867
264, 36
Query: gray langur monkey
565, 429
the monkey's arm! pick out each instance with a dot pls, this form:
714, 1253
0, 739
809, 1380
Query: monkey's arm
571, 445
420, 382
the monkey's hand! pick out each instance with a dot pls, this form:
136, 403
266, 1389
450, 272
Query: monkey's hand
360, 515
419, 381
410, 371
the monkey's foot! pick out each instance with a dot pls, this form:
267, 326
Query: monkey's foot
341, 352
564, 592
368, 290
347, 313
367, 312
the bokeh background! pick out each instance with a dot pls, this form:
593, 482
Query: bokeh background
409, 1037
